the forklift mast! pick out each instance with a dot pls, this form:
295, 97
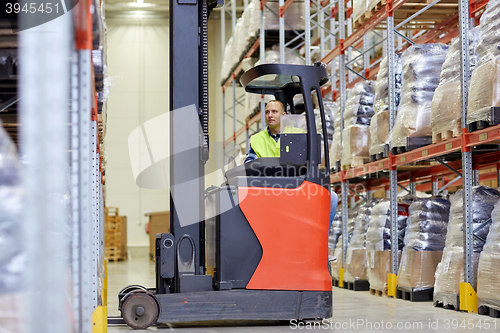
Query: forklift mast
188, 74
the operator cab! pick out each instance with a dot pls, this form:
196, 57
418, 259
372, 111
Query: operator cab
300, 144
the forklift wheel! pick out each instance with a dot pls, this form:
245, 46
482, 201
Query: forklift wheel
140, 310
133, 287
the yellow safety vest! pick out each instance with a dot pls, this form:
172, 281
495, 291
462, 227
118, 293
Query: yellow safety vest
264, 145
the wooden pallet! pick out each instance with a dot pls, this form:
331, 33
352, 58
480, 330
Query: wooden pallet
378, 5
380, 293
489, 311
445, 135
424, 295
357, 285
356, 161
359, 22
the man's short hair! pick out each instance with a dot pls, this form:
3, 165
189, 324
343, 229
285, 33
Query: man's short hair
279, 102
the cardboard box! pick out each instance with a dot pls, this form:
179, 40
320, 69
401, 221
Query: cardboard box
159, 222
378, 267
355, 268
417, 269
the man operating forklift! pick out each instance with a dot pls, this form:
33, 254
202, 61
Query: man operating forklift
266, 143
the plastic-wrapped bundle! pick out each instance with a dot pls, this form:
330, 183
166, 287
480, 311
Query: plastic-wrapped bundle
355, 144
421, 70
330, 108
379, 125
378, 244
336, 260
355, 268
359, 106
446, 104
336, 147
294, 16
484, 91
334, 234
488, 276
427, 224
382, 84
424, 243
449, 272
12, 257
378, 235
228, 60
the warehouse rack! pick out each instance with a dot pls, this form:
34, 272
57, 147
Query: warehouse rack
61, 124
443, 30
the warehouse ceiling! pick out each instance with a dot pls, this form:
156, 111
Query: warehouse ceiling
155, 9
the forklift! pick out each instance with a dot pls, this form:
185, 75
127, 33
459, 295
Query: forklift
264, 256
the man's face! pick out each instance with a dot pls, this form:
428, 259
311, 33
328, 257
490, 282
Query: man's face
273, 114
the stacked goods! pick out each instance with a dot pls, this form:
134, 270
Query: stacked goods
484, 91
488, 276
450, 271
423, 243
12, 255
378, 244
379, 125
421, 70
446, 113
336, 147
336, 261
330, 109
335, 233
248, 25
113, 234
357, 116
355, 268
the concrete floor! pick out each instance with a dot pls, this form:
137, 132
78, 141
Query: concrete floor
353, 311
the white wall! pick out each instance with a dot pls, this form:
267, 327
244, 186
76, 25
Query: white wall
138, 63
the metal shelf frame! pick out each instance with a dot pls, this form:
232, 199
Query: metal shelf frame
64, 161
388, 173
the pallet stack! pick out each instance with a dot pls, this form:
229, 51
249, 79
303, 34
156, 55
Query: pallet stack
114, 235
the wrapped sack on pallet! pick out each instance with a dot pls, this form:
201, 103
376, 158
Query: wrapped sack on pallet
359, 105
421, 70
357, 116
379, 125
450, 271
330, 108
336, 147
446, 108
484, 91
228, 61
488, 276
355, 144
378, 244
336, 260
12, 254
355, 267
424, 242
335, 233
